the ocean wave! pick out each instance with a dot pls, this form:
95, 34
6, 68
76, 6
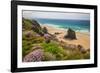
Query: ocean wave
53, 25
77, 29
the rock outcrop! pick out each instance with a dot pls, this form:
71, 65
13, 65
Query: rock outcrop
45, 30
36, 27
47, 38
32, 25
81, 48
70, 34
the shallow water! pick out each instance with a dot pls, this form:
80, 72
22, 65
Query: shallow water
76, 25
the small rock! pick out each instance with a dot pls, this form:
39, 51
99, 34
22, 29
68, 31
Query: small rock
81, 48
56, 33
72, 46
29, 34
47, 38
68, 46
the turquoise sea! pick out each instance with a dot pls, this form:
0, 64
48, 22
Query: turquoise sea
76, 25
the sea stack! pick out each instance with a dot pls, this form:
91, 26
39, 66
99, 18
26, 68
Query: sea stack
70, 34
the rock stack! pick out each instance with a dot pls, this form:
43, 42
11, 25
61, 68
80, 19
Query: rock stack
70, 34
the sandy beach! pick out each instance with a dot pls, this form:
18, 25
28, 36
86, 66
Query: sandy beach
82, 38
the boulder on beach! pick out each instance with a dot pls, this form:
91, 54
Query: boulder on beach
70, 34
56, 33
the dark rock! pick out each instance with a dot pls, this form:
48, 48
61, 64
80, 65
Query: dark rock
36, 24
47, 38
53, 37
81, 48
28, 34
56, 33
88, 49
70, 34
37, 28
45, 30
28, 24
72, 46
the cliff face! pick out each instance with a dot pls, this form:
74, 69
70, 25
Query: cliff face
32, 25
36, 27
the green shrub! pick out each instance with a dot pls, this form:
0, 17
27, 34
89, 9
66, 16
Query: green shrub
27, 24
26, 46
74, 55
87, 55
59, 56
49, 56
55, 49
37, 39
51, 47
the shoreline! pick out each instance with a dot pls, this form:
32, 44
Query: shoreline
56, 27
82, 38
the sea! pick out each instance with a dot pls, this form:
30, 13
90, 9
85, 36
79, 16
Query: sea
76, 25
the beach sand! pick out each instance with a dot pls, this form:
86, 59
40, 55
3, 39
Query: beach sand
82, 38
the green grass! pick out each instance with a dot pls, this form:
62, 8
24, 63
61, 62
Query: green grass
26, 47
62, 54
55, 49
27, 42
